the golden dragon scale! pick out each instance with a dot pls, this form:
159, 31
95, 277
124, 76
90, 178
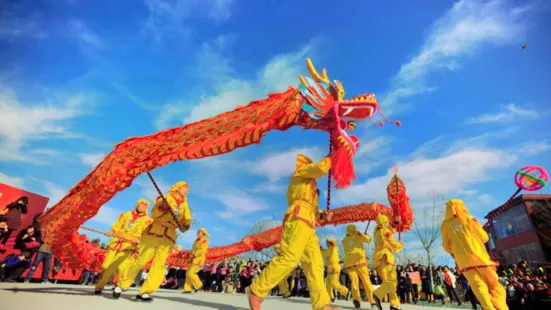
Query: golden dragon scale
317, 104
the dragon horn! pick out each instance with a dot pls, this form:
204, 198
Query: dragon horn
314, 72
303, 80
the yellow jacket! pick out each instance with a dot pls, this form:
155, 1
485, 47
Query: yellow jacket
385, 244
353, 244
199, 251
463, 237
303, 189
131, 226
331, 257
164, 225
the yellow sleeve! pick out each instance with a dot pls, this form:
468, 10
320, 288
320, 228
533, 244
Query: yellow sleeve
201, 248
315, 171
119, 224
365, 238
185, 214
395, 245
481, 234
446, 244
156, 211
325, 253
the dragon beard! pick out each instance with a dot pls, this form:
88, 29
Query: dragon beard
342, 167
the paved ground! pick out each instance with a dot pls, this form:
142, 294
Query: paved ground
15, 296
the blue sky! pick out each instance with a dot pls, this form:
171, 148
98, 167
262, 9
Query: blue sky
78, 77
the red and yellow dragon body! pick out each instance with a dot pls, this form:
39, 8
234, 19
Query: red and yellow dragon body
316, 104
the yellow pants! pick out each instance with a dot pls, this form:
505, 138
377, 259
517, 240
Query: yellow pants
192, 279
356, 274
284, 287
150, 246
489, 292
115, 262
387, 272
299, 243
332, 283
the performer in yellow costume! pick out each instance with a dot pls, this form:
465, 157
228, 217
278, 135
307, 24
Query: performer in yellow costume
283, 286
198, 256
157, 241
383, 260
332, 260
463, 238
121, 252
355, 263
299, 242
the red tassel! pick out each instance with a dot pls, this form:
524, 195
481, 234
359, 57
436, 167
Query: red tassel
342, 168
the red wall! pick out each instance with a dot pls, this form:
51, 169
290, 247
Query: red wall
37, 204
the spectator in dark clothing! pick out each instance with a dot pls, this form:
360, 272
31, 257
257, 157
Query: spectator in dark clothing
28, 240
3, 232
374, 277
449, 282
409, 290
469, 294
426, 285
43, 256
12, 213
13, 266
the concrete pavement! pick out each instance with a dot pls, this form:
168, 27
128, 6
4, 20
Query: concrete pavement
15, 296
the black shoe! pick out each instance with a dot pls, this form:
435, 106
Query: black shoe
117, 292
186, 292
356, 304
144, 297
197, 289
333, 300
97, 292
377, 302
394, 308
285, 297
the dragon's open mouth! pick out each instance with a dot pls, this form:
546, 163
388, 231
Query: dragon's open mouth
359, 107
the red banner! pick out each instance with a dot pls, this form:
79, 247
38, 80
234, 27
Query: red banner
37, 204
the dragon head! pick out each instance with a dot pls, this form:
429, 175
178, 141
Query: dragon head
325, 108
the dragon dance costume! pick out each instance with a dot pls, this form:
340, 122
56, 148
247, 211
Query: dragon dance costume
463, 238
121, 252
383, 260
299, 242
332, 260
197, 260
355, 263
282, 286
157, 241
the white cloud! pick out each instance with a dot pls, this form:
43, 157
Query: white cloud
445, 175
229, 91
12, 181
464, 29
106, 215
509, 112
147, 190
20, 124
85, 35
54, 191
91, 159
533, 147
14, 25
170, 17
239, 204
279, 165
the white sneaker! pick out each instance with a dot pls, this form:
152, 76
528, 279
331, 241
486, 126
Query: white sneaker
117, 290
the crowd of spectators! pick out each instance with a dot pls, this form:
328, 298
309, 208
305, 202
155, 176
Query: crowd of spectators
526, 288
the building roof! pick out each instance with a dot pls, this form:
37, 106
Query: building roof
518, 200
